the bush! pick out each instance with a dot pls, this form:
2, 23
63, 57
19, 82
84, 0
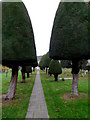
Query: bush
45, 61
63, 79
49, 72
28, 69
55, 68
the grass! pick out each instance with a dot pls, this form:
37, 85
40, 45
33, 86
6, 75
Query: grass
17, 108
59, 102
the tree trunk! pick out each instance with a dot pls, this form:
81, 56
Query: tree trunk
27, 75
46, 71
13, 84
75, 85
23, 77
75, 71
23, 74
56, 77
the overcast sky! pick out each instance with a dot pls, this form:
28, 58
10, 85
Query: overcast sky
42, 13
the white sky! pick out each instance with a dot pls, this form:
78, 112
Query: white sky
42, 13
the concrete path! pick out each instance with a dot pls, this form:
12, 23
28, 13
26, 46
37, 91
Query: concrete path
37, 106
65, 78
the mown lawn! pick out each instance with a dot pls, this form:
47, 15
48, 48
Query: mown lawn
17, 108
59, 102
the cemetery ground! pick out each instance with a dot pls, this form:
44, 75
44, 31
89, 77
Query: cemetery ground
60, 103
57, 95
17, 108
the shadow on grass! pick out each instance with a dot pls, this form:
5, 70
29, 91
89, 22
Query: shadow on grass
58, 81
69, 97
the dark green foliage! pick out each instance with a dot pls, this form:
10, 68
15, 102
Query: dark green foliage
49, 73
75, 67
69, 39
82, 64
66, 63
89, 22
18, 45
41, 64
55, 67
35, 64
63, 79
42, 68
45, 61
28, 69
0, 33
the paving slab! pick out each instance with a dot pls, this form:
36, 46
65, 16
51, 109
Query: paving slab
65, 78
37, 105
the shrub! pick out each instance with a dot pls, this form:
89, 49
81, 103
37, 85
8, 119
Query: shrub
55, 68
63, 79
